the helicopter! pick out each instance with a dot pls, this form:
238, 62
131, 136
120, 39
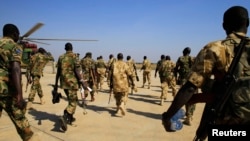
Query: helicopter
29, 45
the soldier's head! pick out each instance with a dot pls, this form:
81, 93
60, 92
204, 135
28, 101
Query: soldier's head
111, 56
68, 47
144, 57
128, 57
100, 57
162, 56
41, 50
10, 30
119, 56
186, 51
168, 57
89, 54
235, 19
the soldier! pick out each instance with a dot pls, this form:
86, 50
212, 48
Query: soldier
167, 78
146, 67
163, 58
89, 74
119, 74
68, 71
213, 60
11, 96
101, 70
36, 66
109, 64
131, 64
183, 68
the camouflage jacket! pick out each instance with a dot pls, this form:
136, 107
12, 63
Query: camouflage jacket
9, 51
131, 65
66, 64
88, 67
146, 65
166, 70
37, 63
119, 74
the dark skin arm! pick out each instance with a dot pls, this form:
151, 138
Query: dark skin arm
79, 78
16, 81
182, 97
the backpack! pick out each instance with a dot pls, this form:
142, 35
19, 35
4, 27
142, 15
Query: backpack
237, 101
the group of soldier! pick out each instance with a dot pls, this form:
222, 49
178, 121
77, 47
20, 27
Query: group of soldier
88, 74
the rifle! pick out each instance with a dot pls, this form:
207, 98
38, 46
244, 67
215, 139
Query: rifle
110, 86
84, 104
55, 95
137, 78
215, 109
28, 76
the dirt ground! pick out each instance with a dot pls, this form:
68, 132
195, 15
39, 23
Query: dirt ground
142, 121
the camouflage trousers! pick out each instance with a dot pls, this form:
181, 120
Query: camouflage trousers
16, 115
146, 77
120, 97
35, 88
165, 85
72, 100
100, 77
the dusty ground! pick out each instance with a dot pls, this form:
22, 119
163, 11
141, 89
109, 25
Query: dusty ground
141, 123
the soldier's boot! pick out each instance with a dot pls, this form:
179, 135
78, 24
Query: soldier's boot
122, 108
187, 121
148, 86
42, 101
135, 89
64, 120
117, 110
28, 105
27, 134
92, 98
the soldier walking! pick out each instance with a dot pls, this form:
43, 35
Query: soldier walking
119, 74
89, 74
146, 67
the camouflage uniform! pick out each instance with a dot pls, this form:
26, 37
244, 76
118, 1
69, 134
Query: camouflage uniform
10, 51
109, 64
37, 64
101, 70
157, 69
167, 78
89, 74
119, 73
146, 67
131, 65
183, 67
68, 80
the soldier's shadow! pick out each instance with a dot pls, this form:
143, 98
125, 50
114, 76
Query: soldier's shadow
146, 114
101, 109
145, 98
41, 116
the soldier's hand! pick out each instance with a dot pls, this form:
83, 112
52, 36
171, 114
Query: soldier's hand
84, 84
166, 123
20, 103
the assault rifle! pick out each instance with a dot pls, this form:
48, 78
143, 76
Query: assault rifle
29, 81
137, 78
55, 95
214, 110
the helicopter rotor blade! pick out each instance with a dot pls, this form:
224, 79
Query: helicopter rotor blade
51, 39
33, 29
38, 42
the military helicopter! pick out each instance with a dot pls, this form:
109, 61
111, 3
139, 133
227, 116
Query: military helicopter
29, 47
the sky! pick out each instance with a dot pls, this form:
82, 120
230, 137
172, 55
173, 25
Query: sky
133, 27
